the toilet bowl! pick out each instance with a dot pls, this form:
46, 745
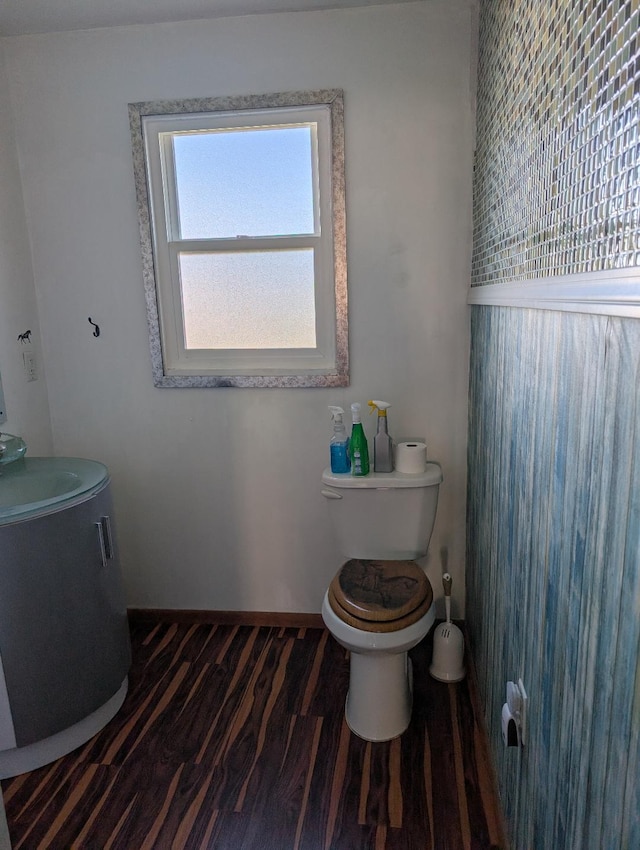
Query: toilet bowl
380, 603
379, 627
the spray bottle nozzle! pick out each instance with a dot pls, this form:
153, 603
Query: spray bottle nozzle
336, 413
380, 406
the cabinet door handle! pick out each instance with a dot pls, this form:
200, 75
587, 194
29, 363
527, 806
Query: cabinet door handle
101, 541
108, 538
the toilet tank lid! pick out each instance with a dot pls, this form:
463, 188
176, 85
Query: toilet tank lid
384, 480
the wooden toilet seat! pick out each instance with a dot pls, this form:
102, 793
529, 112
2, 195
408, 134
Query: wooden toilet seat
380, 596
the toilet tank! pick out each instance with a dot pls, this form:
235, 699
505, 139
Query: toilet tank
383, 515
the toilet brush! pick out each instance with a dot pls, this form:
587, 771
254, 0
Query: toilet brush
447, 664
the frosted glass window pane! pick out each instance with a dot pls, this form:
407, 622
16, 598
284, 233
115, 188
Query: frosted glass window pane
258, 299
244, 182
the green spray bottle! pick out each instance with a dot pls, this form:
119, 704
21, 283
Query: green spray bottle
358, 448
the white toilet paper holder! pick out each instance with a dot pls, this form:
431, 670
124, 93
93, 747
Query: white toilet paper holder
514, 715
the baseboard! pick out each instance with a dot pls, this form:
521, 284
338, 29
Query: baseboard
234, 618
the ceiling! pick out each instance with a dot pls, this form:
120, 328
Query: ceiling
21, 17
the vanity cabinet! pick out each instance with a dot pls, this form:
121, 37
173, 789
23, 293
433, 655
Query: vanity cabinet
64, 639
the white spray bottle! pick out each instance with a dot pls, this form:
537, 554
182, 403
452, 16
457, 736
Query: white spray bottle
382, 444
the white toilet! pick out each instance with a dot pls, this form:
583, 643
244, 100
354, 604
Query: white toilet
380, 603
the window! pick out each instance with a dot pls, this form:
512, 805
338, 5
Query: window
242, 227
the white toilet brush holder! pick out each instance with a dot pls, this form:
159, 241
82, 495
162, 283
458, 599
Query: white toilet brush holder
447, 664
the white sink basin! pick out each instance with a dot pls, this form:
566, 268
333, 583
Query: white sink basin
37, 485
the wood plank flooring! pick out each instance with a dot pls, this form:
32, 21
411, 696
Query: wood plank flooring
233, 738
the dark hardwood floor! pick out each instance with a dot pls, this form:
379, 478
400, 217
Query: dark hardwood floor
233, 737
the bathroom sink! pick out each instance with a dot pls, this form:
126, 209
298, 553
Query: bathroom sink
36, 485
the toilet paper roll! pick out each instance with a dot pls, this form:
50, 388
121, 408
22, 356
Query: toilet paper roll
411, 457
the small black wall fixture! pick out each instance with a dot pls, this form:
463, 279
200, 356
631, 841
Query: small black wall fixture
25, 337
96, 331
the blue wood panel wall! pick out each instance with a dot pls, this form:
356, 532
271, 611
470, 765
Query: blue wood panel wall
553, 573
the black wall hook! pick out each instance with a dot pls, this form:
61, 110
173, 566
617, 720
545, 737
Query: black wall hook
97, 329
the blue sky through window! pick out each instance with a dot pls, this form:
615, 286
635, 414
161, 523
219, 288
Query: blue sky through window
245, 182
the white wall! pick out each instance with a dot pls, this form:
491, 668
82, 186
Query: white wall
26, 401
218, 491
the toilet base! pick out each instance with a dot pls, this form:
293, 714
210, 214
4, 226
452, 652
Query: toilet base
382, 682
380, 695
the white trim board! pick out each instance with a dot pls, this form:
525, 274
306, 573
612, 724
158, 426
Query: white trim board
610, 293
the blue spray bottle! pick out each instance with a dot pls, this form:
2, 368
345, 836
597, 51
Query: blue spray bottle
339, 445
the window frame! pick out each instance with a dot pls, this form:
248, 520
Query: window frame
173, 364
